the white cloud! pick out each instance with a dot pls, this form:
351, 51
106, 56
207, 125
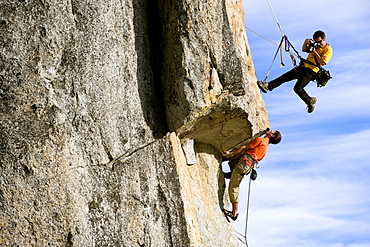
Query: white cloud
289, 210
311, 193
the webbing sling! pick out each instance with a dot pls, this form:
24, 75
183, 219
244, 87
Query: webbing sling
287, 47
273, 60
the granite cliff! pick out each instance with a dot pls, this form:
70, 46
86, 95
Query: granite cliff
113, 117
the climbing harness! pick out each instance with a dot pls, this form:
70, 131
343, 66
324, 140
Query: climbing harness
322, 76
245, 163
252, 176
288, 47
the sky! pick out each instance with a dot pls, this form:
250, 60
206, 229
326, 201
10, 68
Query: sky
313, 188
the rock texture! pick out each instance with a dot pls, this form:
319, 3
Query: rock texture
113, 117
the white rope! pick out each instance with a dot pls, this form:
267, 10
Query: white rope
262, 36
281, 31
277, 21
247, 213
245, 241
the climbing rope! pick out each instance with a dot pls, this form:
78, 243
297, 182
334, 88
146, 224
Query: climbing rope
285, 40
247, 212
277, 21
288, 45
261, 36
243, 238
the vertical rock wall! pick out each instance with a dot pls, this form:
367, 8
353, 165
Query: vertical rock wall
96, 98
213, 96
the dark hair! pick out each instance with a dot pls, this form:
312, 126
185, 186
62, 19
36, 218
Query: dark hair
318, 34
276, 139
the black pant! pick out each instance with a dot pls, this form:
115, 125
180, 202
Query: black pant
304, 76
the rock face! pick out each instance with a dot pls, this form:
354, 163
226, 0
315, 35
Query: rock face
113, 117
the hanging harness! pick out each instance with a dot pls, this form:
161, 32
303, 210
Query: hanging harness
246, 157
287, 46
322, 76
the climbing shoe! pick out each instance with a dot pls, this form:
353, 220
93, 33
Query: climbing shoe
230, 214
311, 105
263, 86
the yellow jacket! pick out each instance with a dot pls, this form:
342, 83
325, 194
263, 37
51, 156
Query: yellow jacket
325, 53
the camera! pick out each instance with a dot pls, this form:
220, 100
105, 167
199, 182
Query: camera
311, 46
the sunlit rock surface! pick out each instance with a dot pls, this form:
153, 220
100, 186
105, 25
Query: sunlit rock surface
113, 117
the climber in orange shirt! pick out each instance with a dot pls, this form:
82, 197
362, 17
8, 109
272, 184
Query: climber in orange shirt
242, 161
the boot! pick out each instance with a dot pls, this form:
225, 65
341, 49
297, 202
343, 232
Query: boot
311, 105
263, 86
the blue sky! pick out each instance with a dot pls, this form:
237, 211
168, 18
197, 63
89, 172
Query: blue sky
313, 188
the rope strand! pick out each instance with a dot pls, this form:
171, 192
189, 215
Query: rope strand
262, 36
247, 212
277, 21
246, 217
288, 45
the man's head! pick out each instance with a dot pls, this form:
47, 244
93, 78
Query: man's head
319, 38
274, 136
318, 34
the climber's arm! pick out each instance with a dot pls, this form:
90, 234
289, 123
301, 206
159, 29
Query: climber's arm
236, 154
306, 44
